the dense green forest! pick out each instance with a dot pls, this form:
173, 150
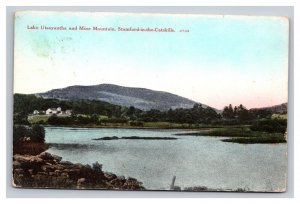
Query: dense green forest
100, 113
24, 105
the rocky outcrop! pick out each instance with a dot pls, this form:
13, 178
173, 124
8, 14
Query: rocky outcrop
48, 171
29, 147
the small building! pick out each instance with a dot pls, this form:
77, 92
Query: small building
36, 112
68, 112
51, 111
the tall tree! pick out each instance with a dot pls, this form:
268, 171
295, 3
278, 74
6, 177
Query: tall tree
228, 112
242, 113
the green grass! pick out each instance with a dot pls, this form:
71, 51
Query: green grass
169, 125
241, 134
160, 125
165, 125
241, 131
224, 132
38, 118
41, 118
280, 116
102, 116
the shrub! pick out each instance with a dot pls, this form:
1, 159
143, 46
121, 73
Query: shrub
270, 125
97, 167
37, 133
114, 120
19, 131
20, 118
137, 123
55, 120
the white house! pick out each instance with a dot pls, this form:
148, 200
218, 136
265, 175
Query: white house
68, 112
36, 112
51, 111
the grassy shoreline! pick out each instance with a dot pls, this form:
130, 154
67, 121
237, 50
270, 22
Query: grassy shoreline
150, 125
242, 135
118, 127
43, 120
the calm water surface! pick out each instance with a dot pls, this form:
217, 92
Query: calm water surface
195, 161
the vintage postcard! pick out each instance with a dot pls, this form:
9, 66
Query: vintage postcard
170, 102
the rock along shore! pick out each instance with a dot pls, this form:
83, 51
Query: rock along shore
48, 171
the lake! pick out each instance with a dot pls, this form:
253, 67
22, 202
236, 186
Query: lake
195, 161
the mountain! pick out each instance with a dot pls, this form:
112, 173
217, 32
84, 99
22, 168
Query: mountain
141, 98
281, 108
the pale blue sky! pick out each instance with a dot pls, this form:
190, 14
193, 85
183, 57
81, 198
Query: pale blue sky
223, 59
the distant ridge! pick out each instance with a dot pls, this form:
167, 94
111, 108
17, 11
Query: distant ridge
141, 98
281, 108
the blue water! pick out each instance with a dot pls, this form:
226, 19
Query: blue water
195, 161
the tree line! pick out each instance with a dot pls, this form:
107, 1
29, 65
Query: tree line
241, 113
89, 112
26, 104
